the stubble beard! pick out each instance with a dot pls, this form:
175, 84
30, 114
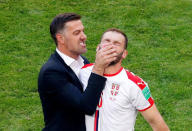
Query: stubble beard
119, 57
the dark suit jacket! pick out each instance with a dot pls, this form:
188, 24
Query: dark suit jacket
63, 101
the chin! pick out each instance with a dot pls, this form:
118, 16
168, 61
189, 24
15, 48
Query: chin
83, 51
113, 63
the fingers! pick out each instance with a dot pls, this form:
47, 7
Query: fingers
98, 48
107, 50
107, 57
106, 53
102, 62
111, 51
109, 60
105, 47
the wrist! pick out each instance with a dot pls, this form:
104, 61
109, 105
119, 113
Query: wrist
98, 70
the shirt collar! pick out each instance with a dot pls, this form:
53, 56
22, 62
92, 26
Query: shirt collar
68, 60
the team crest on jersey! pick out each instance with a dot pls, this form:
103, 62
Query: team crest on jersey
114, 91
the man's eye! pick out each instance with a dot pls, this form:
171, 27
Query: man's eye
117, 43
107, 40
76, 32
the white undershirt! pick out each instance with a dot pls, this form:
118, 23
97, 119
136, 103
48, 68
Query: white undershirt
75, 65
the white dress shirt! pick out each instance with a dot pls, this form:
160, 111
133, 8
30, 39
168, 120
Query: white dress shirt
75, 65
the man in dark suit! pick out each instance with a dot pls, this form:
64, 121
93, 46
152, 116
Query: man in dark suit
63, 101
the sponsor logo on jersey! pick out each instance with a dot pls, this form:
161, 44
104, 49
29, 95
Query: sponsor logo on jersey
146, 92
140, 83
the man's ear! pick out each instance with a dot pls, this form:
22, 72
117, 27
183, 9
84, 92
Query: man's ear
125, 53
60, 38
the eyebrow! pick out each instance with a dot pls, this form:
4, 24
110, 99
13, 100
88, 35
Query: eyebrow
107, 39
117, 42
79, 30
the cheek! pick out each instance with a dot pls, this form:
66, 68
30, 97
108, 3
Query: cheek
73, 41
120, 50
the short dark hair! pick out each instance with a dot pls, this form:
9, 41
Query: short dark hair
118, 31
59, 22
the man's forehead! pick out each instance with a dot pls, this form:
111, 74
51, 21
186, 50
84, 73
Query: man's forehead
74, 24
113, 35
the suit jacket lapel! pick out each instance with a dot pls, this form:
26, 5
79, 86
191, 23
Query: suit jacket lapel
71, 73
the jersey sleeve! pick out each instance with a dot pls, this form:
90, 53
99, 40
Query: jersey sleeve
143, 99
140, 95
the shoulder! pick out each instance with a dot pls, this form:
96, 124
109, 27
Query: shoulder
136, 79
140, 92
52, 65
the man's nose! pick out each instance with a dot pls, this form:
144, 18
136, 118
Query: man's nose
83, 36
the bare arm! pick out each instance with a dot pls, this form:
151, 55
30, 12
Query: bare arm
154, 118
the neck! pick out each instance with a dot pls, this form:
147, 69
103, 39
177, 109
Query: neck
113, 68
62, 49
